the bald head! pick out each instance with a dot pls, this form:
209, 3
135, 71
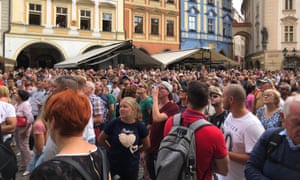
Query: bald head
237, 92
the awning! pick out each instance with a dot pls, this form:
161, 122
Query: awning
91, 55
143, 59
5, 60
171, 57
104, 60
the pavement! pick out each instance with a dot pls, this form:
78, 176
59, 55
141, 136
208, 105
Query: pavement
19, 174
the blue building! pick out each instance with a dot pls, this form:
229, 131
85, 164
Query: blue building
206, 23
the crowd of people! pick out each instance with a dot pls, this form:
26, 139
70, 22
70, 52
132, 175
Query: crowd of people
77, 113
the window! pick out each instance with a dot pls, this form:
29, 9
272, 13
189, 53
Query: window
154, 26
226, 4
226, 30
138, 24
192, 23
170, 1
35, 13
106, 22
211, 2
85, 20
61, 17
210, 26
170, 28
193, 0
288, 4
288, 33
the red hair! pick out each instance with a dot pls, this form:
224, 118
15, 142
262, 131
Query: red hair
71, 111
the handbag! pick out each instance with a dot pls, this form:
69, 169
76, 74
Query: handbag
21, 121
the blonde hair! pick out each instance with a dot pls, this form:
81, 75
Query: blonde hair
135, 106
276, 95
4, 92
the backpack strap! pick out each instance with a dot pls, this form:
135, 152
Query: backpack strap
199, 124
177, 119
76, 165
274, 141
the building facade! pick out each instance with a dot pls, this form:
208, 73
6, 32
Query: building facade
4, 20
206, 23
44, 32
152, 25
238, 41
274, 28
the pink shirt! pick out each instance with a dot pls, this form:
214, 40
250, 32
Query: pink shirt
250, 101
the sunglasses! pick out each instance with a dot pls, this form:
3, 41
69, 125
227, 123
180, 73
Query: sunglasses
267, 95
214, 96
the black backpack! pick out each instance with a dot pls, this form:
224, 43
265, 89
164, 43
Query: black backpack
8, 160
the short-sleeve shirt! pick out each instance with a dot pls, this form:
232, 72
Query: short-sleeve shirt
157, 128
6, 110
272, 122
241, 135
125, 139
210, 143
112, 100
39, 128
146, 104
98, 106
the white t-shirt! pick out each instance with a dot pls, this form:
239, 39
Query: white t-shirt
6, 110
89, 133
241, 134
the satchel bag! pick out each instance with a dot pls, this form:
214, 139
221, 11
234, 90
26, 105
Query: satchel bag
21, 121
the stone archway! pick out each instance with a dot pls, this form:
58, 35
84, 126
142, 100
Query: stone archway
39, 55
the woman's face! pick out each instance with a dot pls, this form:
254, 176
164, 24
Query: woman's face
268, 97
126, 112
16, 96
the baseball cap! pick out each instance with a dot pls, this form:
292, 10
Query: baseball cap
266, 80
215, 90
167, 85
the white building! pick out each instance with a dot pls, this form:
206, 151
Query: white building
274, 27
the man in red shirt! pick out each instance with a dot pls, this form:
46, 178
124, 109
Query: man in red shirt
211, 151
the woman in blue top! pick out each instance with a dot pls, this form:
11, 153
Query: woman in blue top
124, 138
269, 114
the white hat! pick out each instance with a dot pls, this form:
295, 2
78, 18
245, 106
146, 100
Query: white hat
167, 85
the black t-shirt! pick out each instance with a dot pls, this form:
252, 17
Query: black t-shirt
58, 170
218, 120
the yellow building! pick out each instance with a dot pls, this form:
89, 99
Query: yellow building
153, 25
44, 32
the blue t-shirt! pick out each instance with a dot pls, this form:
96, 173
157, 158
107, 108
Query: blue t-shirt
125, 140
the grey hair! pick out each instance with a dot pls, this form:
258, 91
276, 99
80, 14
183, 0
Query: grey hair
288, 102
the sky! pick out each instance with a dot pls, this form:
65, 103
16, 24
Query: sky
237, 5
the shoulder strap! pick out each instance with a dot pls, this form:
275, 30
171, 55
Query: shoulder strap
104, 163
76, 165
177, 119
199, 124
274, 141
1, 137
